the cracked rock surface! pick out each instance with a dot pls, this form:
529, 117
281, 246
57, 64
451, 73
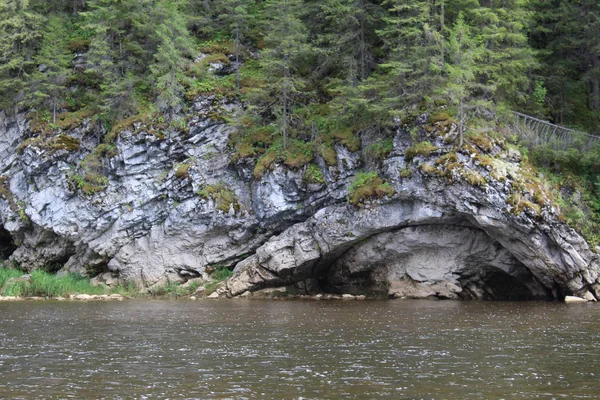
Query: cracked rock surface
151, 225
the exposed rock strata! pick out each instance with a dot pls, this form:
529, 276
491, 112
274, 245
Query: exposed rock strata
431, 239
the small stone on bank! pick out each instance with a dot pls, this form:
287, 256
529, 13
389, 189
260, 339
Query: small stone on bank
575, 299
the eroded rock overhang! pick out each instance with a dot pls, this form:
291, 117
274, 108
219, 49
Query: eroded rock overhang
410, 248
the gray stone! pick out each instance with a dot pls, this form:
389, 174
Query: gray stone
431, 239
574, 299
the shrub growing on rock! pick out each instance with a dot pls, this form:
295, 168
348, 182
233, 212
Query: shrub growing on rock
368, 185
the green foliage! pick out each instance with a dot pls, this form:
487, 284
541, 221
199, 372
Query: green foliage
380, 149
223, 197
575, 174
50, 145
419, 149
313, 174
462, 85
415, 58
90, 183
44, 284
48, 87
296, 155
217, 278
182, 170
565, 36
368, 186
286, 46
20, 35
347, 137
221, 274
8, 273
170, 290
174, 45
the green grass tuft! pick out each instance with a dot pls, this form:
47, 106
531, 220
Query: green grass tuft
368, 185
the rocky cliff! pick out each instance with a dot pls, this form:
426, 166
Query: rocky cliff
172, 204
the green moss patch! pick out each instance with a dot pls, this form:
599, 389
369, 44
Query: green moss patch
50, 144
313, 174
182, 170
347, 137
223, 196
380, 149
296, 155
367, 186
420, 149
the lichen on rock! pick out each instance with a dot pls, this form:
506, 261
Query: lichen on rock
431, 220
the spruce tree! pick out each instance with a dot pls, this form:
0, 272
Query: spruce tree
507, 61
461, 85
350, 36
20, 33
171, 58
236, 18
48, 85
286, 43
566, 37
414, 66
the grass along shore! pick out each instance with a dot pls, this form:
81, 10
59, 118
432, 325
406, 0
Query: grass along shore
16, 283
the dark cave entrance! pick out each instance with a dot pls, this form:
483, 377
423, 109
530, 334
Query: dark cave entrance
495, 284
7, 244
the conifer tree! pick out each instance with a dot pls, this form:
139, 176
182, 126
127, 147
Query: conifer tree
236, 18
566, 36
286, 43
461, 85
175, 45
49, 80
507, 60
20, 33
350, 36
414, 66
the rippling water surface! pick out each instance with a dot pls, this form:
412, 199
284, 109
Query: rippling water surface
299, 349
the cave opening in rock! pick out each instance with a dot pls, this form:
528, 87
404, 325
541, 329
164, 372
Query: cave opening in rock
495, 284
7, 244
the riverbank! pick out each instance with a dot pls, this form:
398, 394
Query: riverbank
16, 285
40, 285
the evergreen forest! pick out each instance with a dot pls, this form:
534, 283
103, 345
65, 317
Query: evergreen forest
310, 71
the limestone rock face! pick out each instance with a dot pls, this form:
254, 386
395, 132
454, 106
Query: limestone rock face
438, 236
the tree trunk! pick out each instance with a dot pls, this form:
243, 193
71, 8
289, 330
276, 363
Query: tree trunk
237, 58
17, 118
284, 108
460, 123
595, 103
362, 45
442, 26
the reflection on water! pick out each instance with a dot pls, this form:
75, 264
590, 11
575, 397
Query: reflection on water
299, 349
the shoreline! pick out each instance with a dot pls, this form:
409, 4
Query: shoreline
318, 297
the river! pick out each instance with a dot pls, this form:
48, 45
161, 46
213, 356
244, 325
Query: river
251, 349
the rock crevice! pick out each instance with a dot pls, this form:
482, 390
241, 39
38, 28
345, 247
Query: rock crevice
174, 205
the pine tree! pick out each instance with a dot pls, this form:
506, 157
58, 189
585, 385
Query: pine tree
507, 60
286, 43
461, 85
566, 36
350, 36
49, 81
175, 45
237, 20
19, 39
414, 66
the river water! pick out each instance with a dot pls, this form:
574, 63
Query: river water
251, 349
